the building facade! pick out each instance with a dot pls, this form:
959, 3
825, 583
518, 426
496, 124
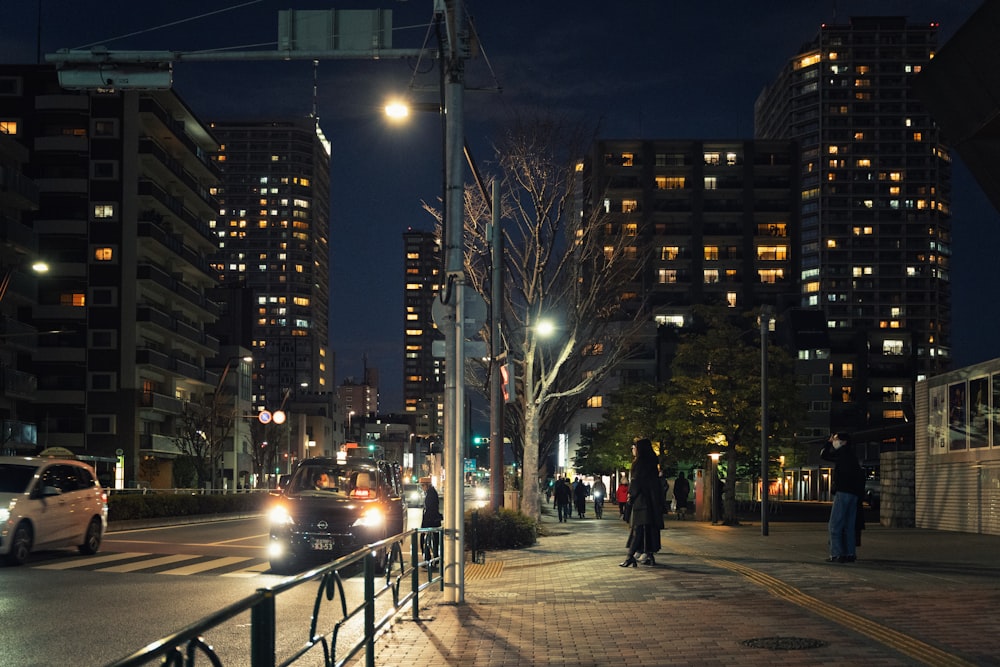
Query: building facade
272, 231
124, 201
423, 371
874, 195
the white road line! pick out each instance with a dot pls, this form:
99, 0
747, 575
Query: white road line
144, 564
84, 562
208, 565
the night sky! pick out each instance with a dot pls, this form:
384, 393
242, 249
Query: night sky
653, 69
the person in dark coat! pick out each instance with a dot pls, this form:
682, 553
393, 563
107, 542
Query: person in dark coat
431, 517
682, 489
646, 500
564, 499
848, 487
580, 498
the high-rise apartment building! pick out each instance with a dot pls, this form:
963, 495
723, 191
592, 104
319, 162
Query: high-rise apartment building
423, 373
875, 190
273, 235
124, 202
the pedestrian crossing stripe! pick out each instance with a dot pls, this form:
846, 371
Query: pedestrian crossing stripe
174, 564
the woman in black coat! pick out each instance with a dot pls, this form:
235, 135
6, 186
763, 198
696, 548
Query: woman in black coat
646, 500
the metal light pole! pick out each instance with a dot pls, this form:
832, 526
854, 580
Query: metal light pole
456, 27
496, 391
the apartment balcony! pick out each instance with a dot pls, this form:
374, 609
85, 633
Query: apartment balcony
173, 207
149, 315
176, 288
160, 402
170, 363
18, 384
17, 335
172, 167
17, 191
152, 109
159, 444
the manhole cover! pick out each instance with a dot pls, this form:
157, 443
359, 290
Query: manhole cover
784, 643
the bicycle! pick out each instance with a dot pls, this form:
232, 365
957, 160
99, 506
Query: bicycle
598, 505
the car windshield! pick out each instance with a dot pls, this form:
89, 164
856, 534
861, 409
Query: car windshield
15, 478
348, 481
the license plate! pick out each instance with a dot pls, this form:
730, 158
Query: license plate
322, 544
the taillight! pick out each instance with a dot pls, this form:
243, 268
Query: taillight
362, 493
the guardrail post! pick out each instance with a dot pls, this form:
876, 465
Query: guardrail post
370, 610
262, 630
415, 557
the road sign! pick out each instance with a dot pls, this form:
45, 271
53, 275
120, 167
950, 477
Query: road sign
264, 417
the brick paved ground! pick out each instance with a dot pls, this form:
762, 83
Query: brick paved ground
914, 597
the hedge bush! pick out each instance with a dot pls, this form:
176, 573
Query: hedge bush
505, 529
126, 507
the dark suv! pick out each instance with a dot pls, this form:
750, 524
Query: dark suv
330, 508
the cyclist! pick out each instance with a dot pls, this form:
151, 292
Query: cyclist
600, 494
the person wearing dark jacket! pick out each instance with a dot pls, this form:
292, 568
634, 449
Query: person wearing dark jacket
646, 499
848, 487
564, 499
431, 517
580, 498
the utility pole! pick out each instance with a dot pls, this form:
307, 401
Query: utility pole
497, 359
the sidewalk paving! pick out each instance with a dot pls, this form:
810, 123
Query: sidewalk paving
716, 596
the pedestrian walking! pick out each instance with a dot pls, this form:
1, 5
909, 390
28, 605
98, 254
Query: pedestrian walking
682, 489
580, 497
848, 487
621, 496
645, 505
564, 499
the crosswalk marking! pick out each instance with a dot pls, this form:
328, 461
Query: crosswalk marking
92, 560
144, 564
243, 567
207, 565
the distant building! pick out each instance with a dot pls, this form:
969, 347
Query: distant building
272, 232
874, 195
423, 372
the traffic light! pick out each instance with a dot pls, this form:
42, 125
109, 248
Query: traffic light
507, 381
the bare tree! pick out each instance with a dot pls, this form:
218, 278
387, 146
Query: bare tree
565, 262
202, 433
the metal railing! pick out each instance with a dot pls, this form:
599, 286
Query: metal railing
184, 647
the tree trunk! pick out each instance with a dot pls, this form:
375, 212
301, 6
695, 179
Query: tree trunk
530, 505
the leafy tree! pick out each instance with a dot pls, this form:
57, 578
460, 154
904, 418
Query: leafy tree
712, 402
558, 264
633, 411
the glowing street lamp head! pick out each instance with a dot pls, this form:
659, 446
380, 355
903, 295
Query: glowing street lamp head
397, 110
545, 328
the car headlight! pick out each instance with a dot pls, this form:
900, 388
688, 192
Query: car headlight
279, 516
5, 512
370, 518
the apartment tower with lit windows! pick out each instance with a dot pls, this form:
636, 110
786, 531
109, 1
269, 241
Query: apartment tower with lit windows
423, 373
875, 189
273, 234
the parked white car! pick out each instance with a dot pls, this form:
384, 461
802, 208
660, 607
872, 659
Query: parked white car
48, 503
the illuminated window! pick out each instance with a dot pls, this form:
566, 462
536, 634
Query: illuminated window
918, 136
595, 402
670, 182
8, 126
76, 299
864, 162
666, 276
103, 254
806, 61
669, 252
712, 159
859, 271
711, 182
847, 370
892, 347
772, 253
859, 136
895, 176
731, 299
731, 159
629, 205
832, 150
811, 286
771, 229
628, 159
711, 252
104, 211
771, 276
711, 276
